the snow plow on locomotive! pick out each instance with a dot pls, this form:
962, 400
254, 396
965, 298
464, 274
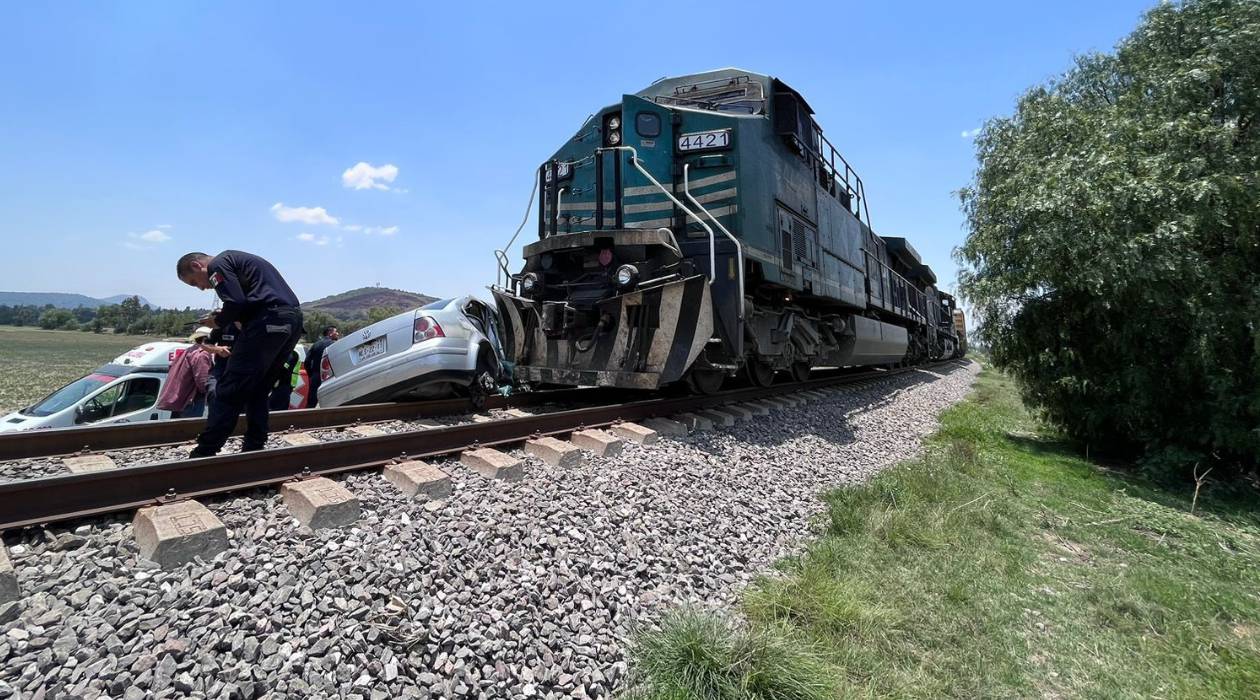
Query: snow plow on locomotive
702, 228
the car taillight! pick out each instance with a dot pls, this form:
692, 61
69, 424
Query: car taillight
325, 369
425, 328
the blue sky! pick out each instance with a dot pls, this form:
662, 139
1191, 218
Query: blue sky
133, 132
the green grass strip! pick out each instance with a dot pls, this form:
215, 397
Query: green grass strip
998, 565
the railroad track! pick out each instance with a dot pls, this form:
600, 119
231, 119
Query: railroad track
66, 441
74, 496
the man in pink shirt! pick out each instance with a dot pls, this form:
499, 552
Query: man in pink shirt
184, 393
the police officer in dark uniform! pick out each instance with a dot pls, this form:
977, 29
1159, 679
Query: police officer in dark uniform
253, 293
218, 344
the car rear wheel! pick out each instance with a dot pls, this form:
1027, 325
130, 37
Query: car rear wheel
485, 381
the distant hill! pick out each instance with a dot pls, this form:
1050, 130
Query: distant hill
356, 302
61, 300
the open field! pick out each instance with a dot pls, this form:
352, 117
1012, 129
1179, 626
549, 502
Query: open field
1000, 564
33, 362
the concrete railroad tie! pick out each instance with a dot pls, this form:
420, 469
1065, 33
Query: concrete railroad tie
737, 413
666, 426
636, 433
175, 533
557, 453
84, 464
693, 422
493, 464
722, 420
418, 479
367, 431
8, 578
320, 502
299, 439
779, 403
602, 444
756, 408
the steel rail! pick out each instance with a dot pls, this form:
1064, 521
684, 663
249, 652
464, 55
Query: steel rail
65, 441
60, 498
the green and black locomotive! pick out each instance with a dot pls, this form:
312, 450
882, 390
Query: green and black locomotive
704, 227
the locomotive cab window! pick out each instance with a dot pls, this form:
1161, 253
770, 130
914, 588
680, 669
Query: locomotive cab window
647, 124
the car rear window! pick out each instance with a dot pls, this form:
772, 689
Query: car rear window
435, 305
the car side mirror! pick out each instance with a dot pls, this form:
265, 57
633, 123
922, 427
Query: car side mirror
79, 415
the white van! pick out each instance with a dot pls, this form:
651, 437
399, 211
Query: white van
123, 391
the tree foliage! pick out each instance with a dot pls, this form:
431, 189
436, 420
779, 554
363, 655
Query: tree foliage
1113, 252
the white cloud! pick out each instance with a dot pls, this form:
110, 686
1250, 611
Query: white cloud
971, 133
147, 239
364, 176
371, 230
305, 215
312, 238
156, 235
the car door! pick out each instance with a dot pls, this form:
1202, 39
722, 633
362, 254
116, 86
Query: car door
132, 399
487, 322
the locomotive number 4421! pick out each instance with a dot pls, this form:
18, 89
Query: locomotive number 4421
704, 140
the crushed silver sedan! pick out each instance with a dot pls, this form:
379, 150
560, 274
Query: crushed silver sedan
446, 348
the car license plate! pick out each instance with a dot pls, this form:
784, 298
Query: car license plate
369, 350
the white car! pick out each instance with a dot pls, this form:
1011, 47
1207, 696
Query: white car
448, 347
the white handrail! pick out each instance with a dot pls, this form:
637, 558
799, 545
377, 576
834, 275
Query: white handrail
559, 198
634, 160
501, 254
739, 249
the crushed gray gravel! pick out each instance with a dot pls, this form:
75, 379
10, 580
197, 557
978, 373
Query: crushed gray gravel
40, 467
520, 589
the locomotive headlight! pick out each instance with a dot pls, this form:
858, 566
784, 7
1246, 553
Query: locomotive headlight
627, 275
530, 284
614, 123
614, 138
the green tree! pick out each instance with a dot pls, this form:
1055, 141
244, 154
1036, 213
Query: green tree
25, 316
130, 311
55, 318
380, 313
314, 322
1114, 245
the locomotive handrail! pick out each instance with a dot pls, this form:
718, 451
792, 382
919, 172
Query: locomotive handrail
634, 160
501, 254
677, 248
739, 249
559, 199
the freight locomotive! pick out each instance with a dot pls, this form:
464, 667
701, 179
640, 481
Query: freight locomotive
702, 228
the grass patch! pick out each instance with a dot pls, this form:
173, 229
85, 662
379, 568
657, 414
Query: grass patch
1000, 564
34, 362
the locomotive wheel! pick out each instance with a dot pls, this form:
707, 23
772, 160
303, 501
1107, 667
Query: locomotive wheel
705, 381
759, 373
800, 371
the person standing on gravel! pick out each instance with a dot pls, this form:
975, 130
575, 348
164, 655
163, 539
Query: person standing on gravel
313, 358
255, 294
